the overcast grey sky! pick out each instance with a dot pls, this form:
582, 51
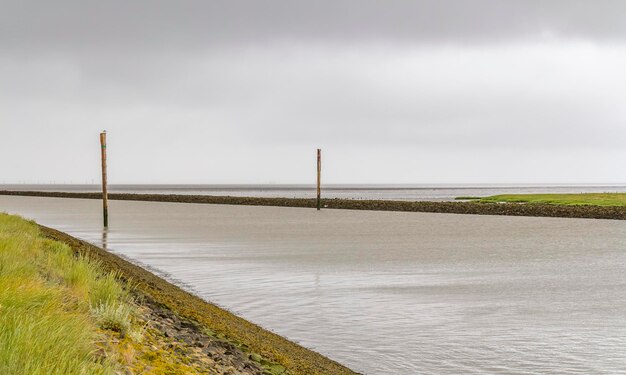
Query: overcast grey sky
245, 91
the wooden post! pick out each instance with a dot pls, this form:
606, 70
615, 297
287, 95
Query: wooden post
105, 196
319, 178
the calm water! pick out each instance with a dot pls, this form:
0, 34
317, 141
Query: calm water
387, 292
387, 192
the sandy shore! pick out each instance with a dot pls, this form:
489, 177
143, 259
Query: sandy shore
207, 336
474, 208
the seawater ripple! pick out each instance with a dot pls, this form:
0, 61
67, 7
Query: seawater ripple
387, 293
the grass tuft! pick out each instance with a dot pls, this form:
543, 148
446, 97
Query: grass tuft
106, 290
114, 317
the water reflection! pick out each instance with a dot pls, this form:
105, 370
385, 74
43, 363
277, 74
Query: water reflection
105, 234
392, 292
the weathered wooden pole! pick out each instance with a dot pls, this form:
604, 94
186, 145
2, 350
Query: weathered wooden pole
105, 196
319, 178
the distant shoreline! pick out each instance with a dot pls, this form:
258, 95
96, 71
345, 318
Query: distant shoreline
471, 208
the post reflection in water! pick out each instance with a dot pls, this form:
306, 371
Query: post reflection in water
105, 234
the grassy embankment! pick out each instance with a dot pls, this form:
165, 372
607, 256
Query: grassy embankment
57, 309
66, 308
582, 199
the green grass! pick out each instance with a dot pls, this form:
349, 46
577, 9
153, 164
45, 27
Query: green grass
587, 199
54, 305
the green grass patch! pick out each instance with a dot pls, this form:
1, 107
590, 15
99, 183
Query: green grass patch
114, 317
54, 305
582, 199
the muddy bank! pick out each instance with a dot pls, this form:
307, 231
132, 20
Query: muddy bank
206, 337
475, 208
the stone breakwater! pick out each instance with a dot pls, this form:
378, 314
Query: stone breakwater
473, 208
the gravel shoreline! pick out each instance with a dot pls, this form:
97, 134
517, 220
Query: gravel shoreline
473, 208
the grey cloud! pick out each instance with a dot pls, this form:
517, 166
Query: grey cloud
161, 24
437, 91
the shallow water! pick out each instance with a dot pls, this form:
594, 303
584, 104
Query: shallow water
387, 292
351, 191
